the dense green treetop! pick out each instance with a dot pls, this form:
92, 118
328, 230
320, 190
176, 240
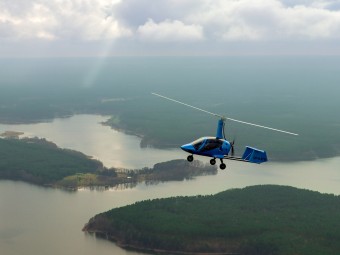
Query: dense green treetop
255, 220
41, 162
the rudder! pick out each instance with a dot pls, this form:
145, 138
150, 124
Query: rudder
254, 155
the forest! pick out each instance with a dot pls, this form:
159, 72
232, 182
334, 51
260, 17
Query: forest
173, 170
41, 162
122, 88
256, 220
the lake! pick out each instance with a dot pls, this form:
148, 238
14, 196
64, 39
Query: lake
85, 133
36, 220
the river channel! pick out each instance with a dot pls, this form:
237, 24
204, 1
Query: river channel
37, 220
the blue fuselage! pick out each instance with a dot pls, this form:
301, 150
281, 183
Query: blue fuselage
208, 146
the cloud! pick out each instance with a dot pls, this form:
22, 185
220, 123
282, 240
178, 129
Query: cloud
214, 20
148, 25
169, 31
266, 20
235, 20
59, 19
135, 13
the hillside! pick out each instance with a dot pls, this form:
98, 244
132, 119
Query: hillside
255, 220
41, 162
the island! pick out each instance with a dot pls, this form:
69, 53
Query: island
41, 162
256, 220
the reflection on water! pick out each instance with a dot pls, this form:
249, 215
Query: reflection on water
118, 187
36, 220
85, 133
320, 175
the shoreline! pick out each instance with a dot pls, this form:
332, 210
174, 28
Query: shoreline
84, 172
177, 225
119, 243
147, 142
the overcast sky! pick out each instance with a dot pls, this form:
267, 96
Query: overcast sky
168, 27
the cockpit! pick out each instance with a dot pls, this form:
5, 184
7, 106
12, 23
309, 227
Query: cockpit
207, 144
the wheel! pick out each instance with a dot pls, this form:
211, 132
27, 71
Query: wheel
190, 158
212, 161
222, 166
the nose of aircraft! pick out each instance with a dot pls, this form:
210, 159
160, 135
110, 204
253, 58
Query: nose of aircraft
188, 148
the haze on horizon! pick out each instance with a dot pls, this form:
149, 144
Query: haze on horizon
69, 28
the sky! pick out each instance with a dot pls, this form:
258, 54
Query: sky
68, 28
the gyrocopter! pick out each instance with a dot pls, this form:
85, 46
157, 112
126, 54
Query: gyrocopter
218, 147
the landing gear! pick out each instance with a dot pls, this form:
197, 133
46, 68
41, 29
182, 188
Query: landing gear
222, 165
212, 161
190, 158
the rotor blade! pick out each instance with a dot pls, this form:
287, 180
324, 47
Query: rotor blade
223, 117
173, 100
252, 124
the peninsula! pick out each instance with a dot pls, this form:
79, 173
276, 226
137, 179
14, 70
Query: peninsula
41, 162
257, 220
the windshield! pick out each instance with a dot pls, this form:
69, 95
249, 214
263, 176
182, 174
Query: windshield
212, 144
197, 143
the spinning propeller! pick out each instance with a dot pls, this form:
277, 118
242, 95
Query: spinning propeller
225, 118
232, 147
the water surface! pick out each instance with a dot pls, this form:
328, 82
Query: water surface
85, 133
35, 220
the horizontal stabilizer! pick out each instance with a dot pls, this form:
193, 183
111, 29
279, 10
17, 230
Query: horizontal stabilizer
254, 155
